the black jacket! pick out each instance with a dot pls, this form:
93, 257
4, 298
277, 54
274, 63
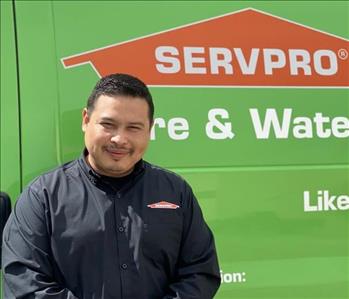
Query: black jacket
73, 235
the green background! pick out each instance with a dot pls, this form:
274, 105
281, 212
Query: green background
250, 190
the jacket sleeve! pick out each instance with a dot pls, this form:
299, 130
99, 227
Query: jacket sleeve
198, 275
29, 270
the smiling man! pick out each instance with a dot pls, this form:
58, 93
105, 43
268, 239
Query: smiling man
109, 224
117, 131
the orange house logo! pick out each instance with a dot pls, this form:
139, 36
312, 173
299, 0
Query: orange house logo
244, 48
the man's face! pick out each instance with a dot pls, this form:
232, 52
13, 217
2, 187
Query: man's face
117, 133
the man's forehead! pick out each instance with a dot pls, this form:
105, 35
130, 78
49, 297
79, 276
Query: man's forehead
122, 101
106, 106
120, 97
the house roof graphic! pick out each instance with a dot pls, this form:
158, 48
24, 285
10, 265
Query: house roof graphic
246, 48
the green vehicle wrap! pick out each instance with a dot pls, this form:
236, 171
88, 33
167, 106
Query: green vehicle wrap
269, 162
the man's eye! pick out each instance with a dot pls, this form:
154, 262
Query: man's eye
107, 125
134, 128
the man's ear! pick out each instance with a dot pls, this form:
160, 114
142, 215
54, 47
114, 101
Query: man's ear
85, 119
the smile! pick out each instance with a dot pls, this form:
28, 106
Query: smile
118, 153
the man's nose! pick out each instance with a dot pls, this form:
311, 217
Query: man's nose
119, 137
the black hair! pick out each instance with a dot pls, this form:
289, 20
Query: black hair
124, 85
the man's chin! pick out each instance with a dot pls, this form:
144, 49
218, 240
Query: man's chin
118, 171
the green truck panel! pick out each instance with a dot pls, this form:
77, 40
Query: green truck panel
277, 202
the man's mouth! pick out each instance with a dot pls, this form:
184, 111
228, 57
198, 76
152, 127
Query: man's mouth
117, 153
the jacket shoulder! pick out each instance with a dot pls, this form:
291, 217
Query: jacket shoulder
53, 177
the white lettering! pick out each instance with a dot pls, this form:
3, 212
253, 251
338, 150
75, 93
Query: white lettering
273, 59
343, 202
250, 67
307, 206
178, 128
319, 121
160, 122
329, 201
299, 59
271, 120
318, 62
173, 65
303, 128
224, 62
339, 124
219, 60
325, 202
215, 129
190, 60
236, 277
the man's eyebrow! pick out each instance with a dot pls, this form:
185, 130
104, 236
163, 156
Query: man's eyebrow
109, 119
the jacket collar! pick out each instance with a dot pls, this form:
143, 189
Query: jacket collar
95, 177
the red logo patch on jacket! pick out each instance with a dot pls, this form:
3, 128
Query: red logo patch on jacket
163, 205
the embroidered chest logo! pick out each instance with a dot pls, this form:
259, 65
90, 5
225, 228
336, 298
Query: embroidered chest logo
163, 205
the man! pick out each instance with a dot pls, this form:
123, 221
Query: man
110, 225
